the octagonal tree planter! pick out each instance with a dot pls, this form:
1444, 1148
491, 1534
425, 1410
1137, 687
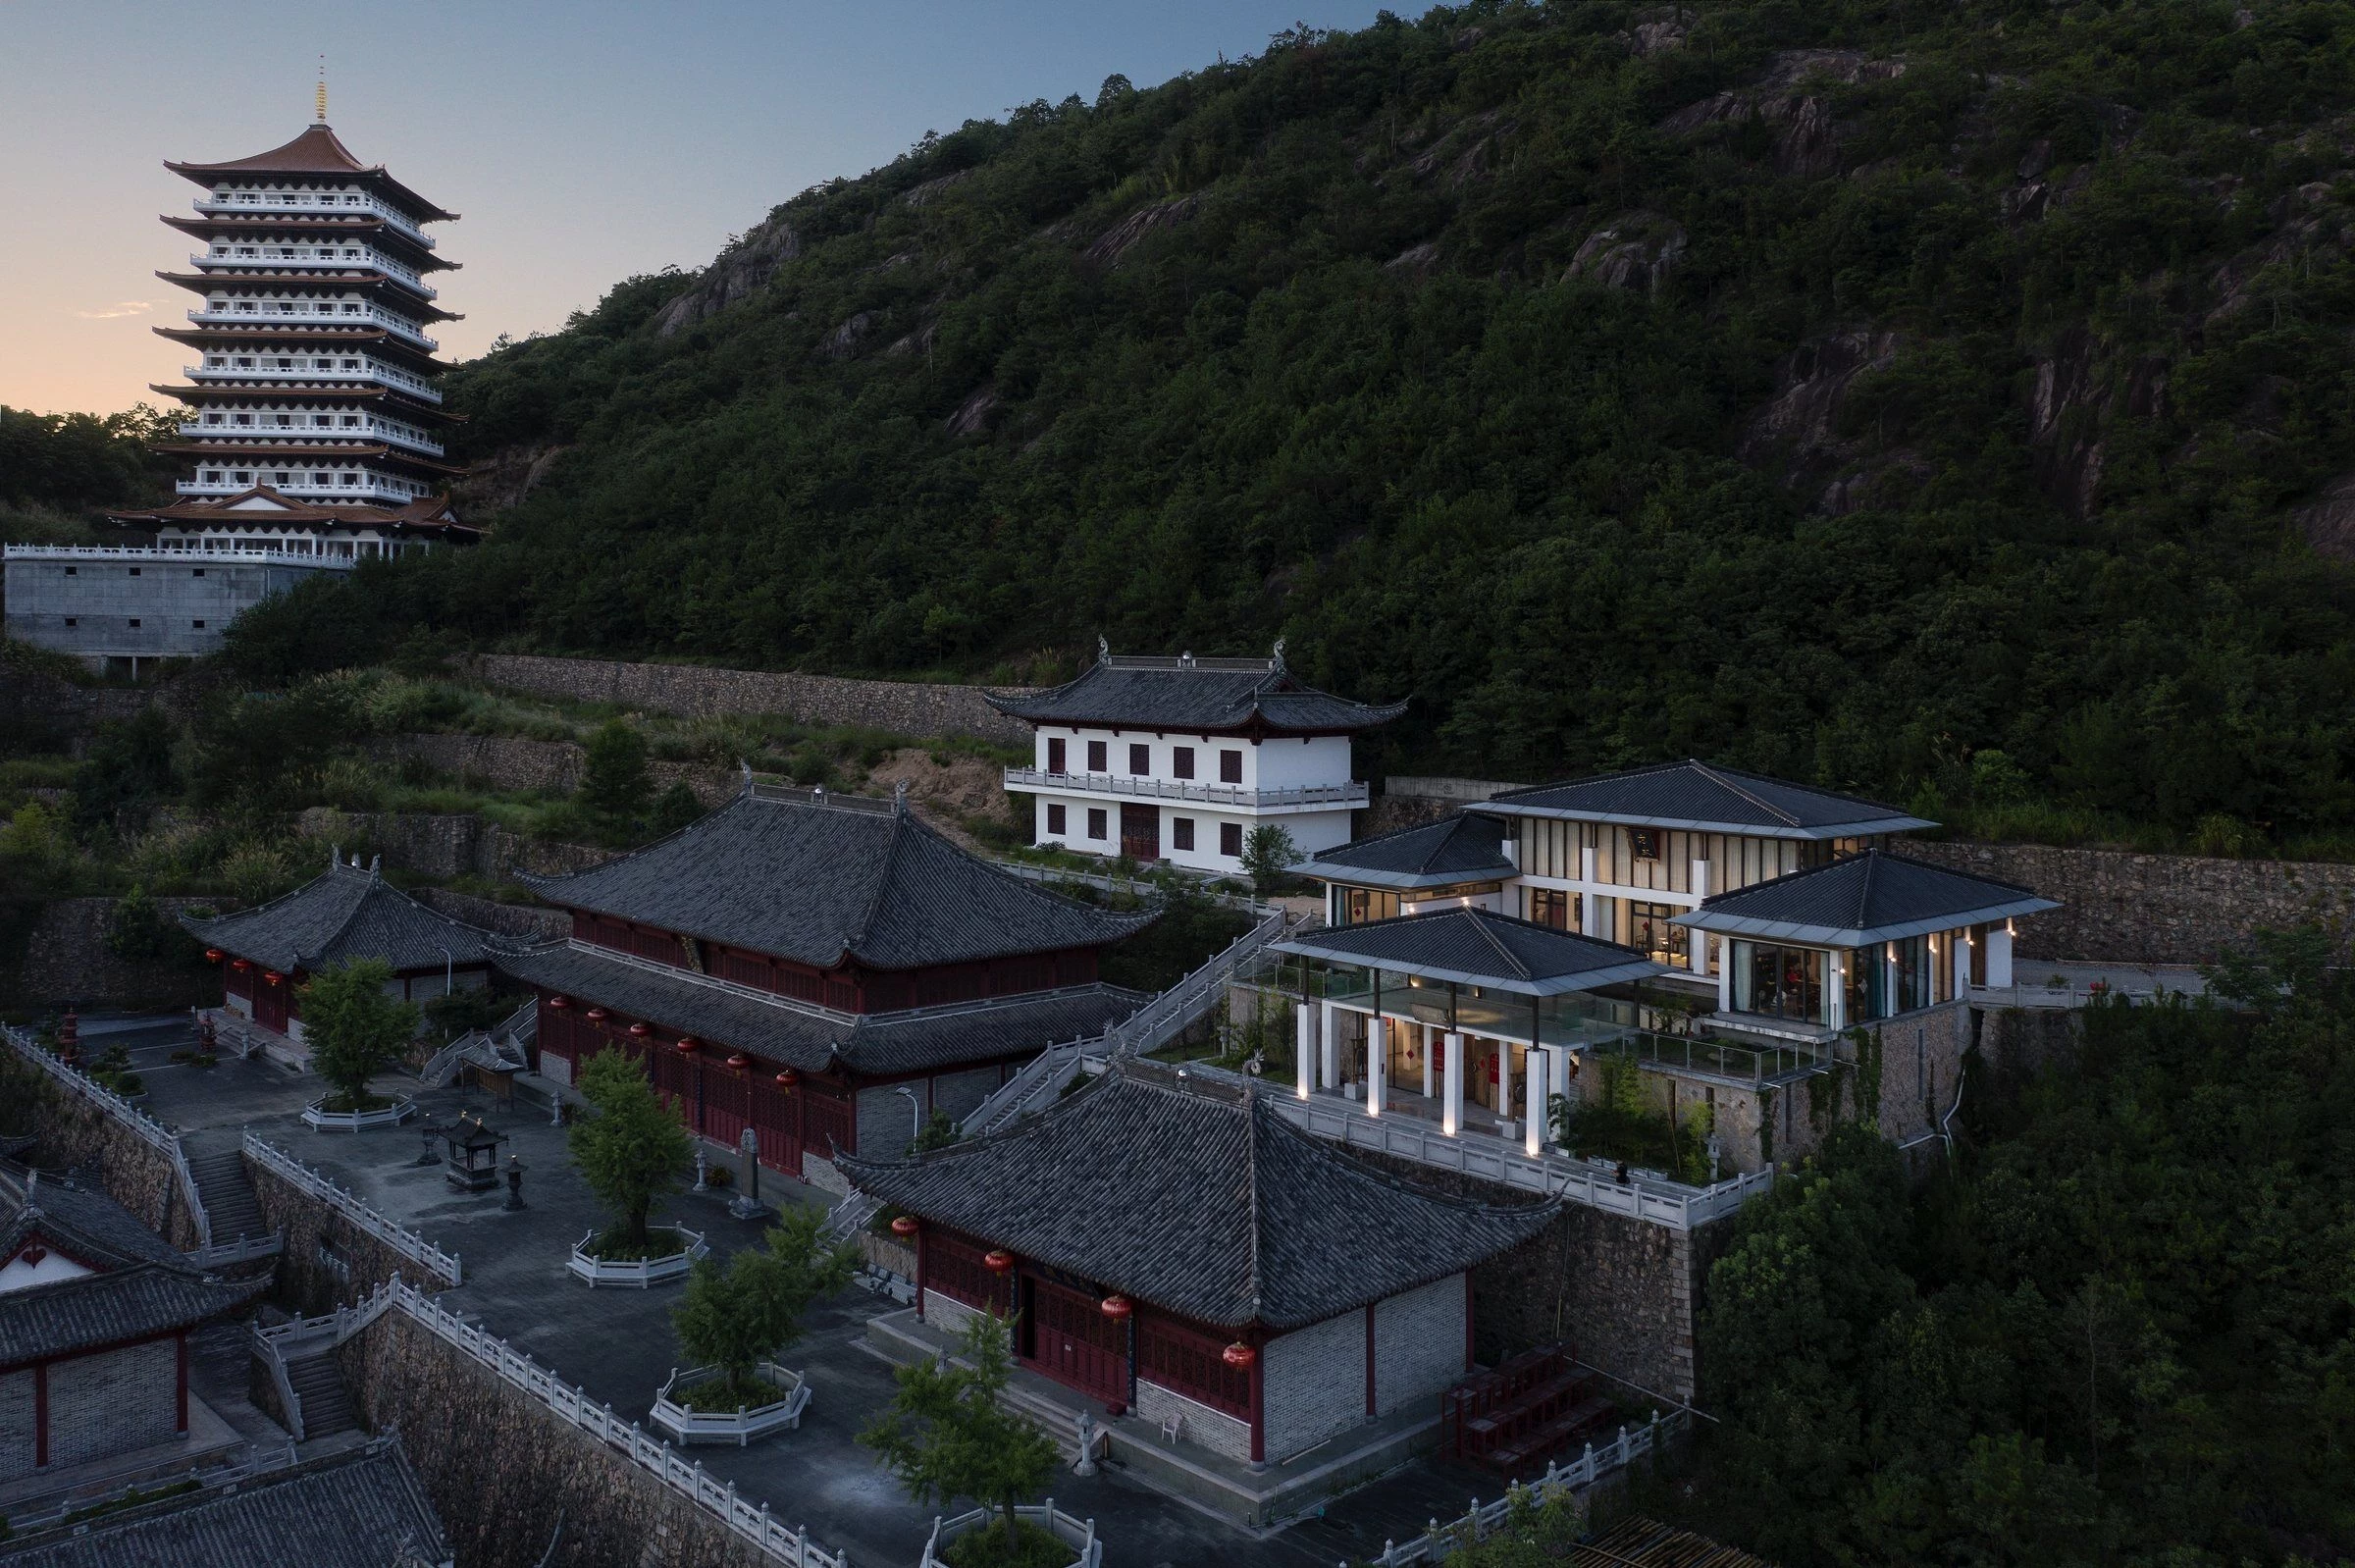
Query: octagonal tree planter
1078, 1536
638, 1271
685, 1425
383, 1116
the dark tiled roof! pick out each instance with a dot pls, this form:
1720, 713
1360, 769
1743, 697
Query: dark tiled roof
1478, 947
316, 151
142, 1286
362, 1508
827, 880
1199, 1199
345, 913
1457, 849
1197, 695
916, 1041
1717, 799
1859, 899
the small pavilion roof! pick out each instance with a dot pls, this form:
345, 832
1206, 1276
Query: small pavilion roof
1703, 798
1478, 947
140, 1287
1458, 849
361, 1508
317, 151
345, 913
1861, 899
827, 880
1197, 695
808, 1039
1197, 1197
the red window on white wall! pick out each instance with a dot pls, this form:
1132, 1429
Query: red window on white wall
1055, 755
1055, 818
1231, 767
1099, 756
1231, 838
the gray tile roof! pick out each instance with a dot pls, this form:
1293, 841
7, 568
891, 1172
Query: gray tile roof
1195, 697
916, 1041
362, 1508
824, 879
143, 1288
1707, 799
1478, 947
1197, 1198
345, 913
1861, 899
1441, 853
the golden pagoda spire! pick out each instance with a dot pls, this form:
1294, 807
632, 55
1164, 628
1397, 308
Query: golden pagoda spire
321, 109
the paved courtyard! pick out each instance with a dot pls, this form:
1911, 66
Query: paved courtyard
618, 1345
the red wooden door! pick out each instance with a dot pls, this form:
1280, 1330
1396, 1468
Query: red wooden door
270, 1006
1140, 832
1076, 1345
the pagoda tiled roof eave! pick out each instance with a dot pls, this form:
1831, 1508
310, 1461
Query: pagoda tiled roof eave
260, 456
1191, 1197
305, 928
1860, 899
71, 1316
1478, 947
1701, 796
1430, 854
411, 303
1193, 700
317, 151
208, 225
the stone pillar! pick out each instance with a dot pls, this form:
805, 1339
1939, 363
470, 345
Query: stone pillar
1451, 1109
1304, 1046
1428, 1035
1725, 977
1891, 1005
1590, 904
1533, 1137
1377, 1063
1696, 951
1504, 1080
1329, 1053
1999, 956
1835, 987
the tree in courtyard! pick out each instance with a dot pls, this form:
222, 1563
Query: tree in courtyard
1269, 855
632, 1150
946, 1436
354, 1027
736, 1317
615, 783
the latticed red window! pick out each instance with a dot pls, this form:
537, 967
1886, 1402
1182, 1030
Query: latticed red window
953, 1267
1190, 1360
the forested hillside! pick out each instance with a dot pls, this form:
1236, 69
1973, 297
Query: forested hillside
1943, 402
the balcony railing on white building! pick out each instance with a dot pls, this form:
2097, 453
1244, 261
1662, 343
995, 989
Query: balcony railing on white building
369, 430
307, 204
208, 262
371, 487
1295, 797
215, 375
129, 553
367, 314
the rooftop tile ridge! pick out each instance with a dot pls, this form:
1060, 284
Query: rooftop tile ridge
1724, 781
1254, 1211
1871, 860
855, 939
1490, 936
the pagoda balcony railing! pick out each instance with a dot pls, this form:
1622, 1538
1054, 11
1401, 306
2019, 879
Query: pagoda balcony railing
132, 553
370, 487
206, 261
368, 315
417, 385
371, 431
307, 204
1289, 798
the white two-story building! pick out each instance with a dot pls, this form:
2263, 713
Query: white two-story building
1177, 759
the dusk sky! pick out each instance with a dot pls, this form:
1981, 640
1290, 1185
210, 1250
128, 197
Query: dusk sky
581, 142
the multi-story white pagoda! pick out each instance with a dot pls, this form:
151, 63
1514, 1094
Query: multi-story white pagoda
313, 428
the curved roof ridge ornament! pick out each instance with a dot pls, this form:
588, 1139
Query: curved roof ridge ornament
899, 797
747, 787
1276, 663
1103, 649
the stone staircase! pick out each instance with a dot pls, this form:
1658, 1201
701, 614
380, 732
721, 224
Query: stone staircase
221, 1181
319, 1386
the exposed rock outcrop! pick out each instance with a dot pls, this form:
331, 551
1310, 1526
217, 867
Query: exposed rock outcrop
977, 413
844, 340
1122, 236
1635, 250
1798, 430
2079, 390
736, 274
1415, 261
1806, 143
2328, 520
504, 478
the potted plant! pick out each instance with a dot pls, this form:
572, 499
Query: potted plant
631, 1152
355, 1029
736, 1320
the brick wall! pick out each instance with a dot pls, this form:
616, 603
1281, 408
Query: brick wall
114, 1402
902, 708
886, 1124
1213, 1430
311, 1279
502, 1468
17, 1449
1419, 1345
1313, 1384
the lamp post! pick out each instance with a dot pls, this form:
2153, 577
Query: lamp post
918, 1106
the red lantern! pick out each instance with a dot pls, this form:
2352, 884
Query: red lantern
212, 955
559, 1003
787, 1078
905, 1226
597, 1015
640, 1031
271, 975
1116, 1308
998, 1261
737, 1060
686, 1045
1238, 1355
240, 964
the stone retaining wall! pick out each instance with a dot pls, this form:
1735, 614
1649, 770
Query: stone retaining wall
508, 920
328, 1262
551, 767
77, 1135
66, 958
900, 707
502, 1469
457, 844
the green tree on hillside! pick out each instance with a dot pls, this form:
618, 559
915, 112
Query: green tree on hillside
614, 782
